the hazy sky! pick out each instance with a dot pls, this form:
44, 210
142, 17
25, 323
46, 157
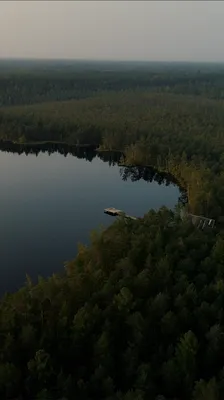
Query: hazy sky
130, 30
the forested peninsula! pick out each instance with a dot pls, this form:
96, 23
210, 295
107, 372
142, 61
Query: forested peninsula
138, 314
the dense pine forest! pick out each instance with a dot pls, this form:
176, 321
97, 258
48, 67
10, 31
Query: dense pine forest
138, 315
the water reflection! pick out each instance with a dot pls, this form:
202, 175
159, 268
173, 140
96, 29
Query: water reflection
134, 173
150, 174
50, 203
64, 149
87, 153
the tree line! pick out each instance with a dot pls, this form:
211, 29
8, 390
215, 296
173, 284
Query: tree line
29, 82
181, 135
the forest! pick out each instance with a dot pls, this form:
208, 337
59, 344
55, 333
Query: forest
28, 82
138, 315
178, 134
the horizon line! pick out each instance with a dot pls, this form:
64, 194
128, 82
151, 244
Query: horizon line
11, 58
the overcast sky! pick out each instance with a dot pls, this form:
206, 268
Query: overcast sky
125, 30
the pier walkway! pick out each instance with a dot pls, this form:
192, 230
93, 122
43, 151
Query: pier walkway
115, 212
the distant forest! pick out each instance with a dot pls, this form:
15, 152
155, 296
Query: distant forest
138, 315
29, 82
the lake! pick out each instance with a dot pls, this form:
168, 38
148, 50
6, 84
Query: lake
49, 202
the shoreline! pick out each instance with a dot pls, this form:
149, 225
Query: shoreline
96, 148
48, 142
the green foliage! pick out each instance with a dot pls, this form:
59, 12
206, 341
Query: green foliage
139, 314
206, 390
120, 325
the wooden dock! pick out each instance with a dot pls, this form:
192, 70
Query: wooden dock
115, 213
199, 221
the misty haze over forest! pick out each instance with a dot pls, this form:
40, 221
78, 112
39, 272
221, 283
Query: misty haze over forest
112, 30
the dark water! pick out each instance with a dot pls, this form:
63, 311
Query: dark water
49, 203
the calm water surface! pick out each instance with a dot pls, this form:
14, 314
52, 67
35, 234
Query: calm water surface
49, 203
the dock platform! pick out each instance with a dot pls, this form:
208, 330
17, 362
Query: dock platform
112, 211
115, 212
